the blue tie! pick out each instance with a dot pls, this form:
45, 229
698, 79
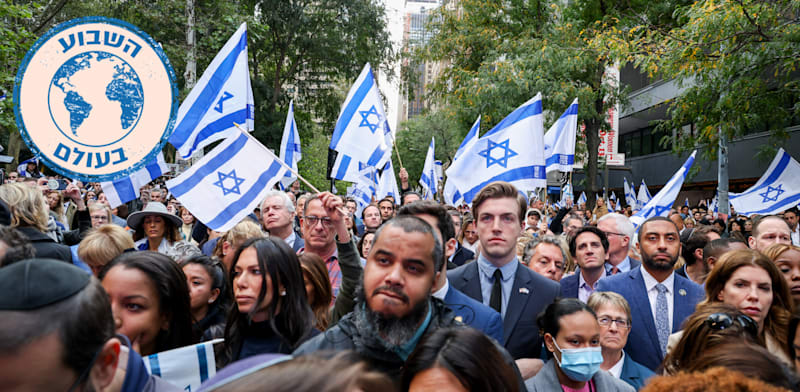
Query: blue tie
662, 317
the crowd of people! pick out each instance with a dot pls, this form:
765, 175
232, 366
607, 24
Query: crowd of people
312, 293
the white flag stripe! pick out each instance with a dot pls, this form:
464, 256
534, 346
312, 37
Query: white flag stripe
126, 189
290, 147
559, 141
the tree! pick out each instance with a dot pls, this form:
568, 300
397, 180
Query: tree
736, 59
498, 54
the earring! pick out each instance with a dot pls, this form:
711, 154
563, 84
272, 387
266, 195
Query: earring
211, 301
283, 293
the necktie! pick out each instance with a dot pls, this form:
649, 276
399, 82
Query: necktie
497, 293
662, 317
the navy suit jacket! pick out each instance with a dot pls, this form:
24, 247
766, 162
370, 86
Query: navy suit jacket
530, 294
462, 255
643, 344
634, 373
569, 285
299, 243
475, 314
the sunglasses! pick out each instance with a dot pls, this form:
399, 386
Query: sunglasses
720, 321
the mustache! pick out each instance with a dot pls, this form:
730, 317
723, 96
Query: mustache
392, 289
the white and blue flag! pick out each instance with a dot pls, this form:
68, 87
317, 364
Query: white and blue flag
387, 183
512, 151
662, 202
228, 183
713, 205
22, 168
630, 196
566, 194
365, 187
428, 177
777, 190
582, 198
559, 141
290, 147
644, 195
362, 131
126, 189
223, 96
184, 367
452, 195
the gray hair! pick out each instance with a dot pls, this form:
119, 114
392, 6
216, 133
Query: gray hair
287, 202
624, 224
183, 250
530, 247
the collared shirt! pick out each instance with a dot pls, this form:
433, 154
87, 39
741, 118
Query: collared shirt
163, 247
652, 293
442, 292
486, 270
623, 266
290, 239
616, 370
334, 271
796, 235
584, 290
470, 247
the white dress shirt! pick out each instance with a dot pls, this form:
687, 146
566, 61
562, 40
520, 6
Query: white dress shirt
290, 239
442, 292
796, 235
652, 293
616, 370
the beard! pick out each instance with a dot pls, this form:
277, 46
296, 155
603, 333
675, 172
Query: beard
651, 263
394, 330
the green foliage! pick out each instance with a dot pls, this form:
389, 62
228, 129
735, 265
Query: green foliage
737, 59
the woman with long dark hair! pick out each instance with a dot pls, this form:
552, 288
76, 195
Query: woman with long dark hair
270, 311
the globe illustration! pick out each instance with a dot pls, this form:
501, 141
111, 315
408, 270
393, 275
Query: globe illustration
95, 91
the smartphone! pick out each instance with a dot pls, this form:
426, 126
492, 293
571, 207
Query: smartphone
57, 185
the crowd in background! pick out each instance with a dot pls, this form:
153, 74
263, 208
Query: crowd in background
312, 293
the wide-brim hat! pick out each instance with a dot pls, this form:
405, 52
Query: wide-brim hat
152, 208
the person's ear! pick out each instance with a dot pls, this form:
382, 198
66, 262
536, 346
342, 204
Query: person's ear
698, 254
450, 247
548, 342
214, 295
226, 247
105, 366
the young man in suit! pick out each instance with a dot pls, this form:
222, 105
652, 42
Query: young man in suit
588, 247
466, 309
619, 231
462, 254
660, 299
499, 280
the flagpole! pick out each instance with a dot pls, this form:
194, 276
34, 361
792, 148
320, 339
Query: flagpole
400, 161
299, 177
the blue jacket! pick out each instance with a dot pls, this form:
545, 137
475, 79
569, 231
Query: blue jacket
634, 373
530, 294
569, 285
475, 314
643, 344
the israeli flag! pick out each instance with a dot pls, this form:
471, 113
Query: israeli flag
644, 195
686, 203
221, 97
229, 182
23, 167
512, 151
713, 205
559, 141
185, 367
630, 197
451, 195
126, 189
437, 170
290, 147
365, 187
776, 191
428, 177
582, 198
661, 203
387, 184
362, 131
566, 194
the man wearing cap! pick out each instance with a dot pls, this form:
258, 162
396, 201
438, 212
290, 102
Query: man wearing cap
59, 336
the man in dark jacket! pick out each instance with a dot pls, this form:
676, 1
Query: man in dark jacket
394, 308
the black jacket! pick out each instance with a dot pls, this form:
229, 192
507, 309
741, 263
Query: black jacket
44, 246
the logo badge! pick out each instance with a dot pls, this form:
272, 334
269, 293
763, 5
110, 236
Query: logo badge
95, 98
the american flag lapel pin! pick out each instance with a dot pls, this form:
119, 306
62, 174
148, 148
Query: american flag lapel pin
682, 292
524, 290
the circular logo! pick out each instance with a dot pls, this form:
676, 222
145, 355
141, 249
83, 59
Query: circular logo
110, 98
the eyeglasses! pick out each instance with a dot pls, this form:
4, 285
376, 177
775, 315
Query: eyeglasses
608, 233
607, 321
313, 220
720, 321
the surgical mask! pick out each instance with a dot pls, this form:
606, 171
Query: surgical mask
579, 364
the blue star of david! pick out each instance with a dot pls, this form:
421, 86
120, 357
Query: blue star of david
769, 190
661, 209
365, 119
236, 182
502, 161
